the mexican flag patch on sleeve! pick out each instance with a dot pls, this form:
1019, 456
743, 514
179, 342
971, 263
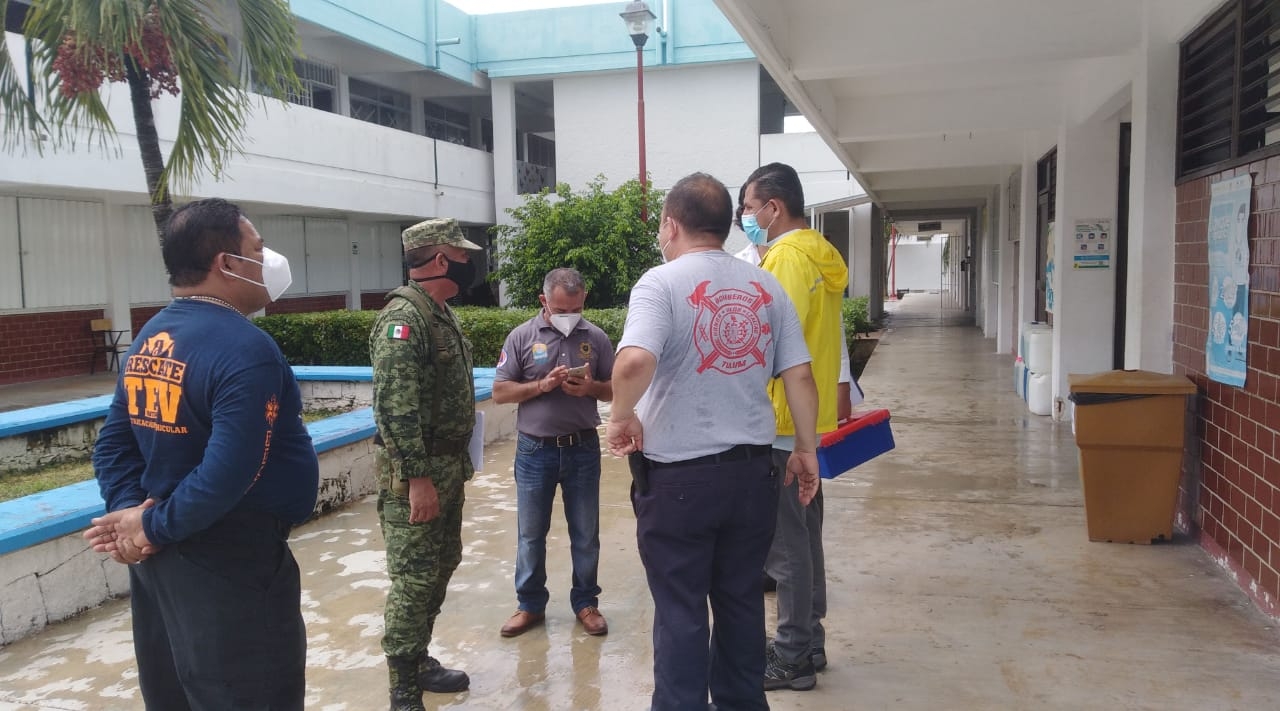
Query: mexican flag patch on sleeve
398, 333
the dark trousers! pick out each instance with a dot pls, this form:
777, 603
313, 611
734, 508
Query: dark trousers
797, 562
703, 533
217, 622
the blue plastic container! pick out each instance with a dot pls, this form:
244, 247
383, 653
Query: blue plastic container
859, 440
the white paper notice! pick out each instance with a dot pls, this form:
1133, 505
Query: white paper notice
476, 446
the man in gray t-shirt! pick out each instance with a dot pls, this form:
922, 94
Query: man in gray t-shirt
557, 366
705, 334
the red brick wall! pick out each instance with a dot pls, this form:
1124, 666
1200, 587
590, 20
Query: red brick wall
139, 315
373, 300
50, 344
1238, 497
304, 304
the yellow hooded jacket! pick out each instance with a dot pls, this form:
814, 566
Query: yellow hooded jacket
815, 276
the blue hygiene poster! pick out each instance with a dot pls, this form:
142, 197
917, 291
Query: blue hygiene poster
1228, 339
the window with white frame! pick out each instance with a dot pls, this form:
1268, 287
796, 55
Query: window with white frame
378, 104
319, 85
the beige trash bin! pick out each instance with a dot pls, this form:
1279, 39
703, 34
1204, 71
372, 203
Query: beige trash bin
1130, 426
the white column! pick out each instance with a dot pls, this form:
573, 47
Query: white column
503, 92
1152, 201
1084, 301
990, 272
860, 244
1005, 297
119, 269
358, 234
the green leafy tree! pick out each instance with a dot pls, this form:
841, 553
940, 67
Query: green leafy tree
595, 231
156, 47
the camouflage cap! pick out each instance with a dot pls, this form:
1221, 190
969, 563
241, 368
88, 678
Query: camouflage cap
442, 230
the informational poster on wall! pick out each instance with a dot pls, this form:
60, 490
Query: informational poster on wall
1228, 341
1092, 248
1049, 268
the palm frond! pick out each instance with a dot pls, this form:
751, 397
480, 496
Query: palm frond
214, 101
270, 42
22, 123
215, 98
67, 120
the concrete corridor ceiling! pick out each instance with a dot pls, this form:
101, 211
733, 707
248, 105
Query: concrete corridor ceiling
932, 103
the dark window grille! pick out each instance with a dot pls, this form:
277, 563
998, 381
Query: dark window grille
379, 104
1229, 89
447, 124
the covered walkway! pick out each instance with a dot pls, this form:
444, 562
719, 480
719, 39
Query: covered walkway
959, 572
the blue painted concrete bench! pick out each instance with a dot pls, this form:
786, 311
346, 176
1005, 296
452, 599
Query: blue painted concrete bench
34, 419
47, 515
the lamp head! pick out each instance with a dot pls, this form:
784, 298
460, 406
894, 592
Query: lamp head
639, 20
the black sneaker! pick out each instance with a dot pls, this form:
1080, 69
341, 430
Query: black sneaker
798, 676
819, 659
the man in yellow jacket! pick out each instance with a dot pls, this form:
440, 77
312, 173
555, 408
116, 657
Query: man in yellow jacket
815, 276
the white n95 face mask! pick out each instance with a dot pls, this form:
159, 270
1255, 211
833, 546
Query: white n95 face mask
565, 323
276, 275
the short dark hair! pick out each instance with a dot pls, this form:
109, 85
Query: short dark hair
567, 278
777, 181
195, 234
742, 197
701, 204
420, 256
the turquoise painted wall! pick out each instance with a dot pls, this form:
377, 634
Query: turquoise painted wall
532, 42
592, 37
399, 27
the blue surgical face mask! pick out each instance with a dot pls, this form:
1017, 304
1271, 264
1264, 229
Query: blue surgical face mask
757, 234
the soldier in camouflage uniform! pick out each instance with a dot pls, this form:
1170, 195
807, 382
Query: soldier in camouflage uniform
424, 407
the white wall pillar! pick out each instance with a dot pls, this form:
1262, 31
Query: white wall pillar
360, 236
503, 92
1084, 299
990, 273
1005, 297
860, 262
1152, 200
119, 269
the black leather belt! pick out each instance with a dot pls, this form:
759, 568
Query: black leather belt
742, 452
573, 439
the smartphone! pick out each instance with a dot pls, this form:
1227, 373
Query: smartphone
578, 372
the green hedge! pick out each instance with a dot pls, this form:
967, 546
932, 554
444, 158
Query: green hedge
342, 337
857, 318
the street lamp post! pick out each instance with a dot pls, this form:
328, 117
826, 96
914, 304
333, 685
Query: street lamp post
639, 20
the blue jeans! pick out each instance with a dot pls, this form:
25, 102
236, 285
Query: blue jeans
539, 469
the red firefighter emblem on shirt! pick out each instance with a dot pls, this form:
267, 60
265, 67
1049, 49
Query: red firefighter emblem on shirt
728, 331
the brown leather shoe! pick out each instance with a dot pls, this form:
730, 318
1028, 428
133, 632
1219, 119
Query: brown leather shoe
522, 621
592, 621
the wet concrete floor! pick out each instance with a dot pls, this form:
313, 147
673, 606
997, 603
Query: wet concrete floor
959, 575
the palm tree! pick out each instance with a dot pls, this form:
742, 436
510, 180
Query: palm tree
210, 53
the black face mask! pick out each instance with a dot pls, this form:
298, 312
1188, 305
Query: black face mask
461, 273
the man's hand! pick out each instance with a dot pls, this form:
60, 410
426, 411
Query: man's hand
805, 466
554, 379
120, 534
844, 408
578, 387
624, 435
424, 502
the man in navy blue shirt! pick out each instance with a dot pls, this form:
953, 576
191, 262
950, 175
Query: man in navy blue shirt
204, 464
